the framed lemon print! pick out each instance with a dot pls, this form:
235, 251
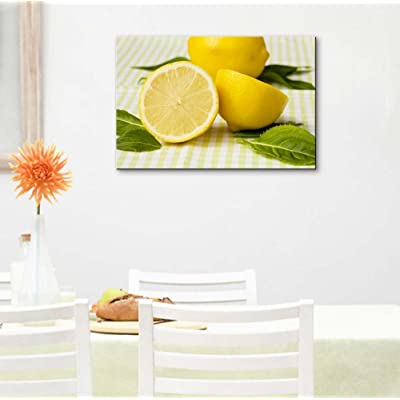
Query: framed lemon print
215, 102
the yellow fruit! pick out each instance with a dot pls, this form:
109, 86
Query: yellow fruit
178, 102
245, 54
247, 103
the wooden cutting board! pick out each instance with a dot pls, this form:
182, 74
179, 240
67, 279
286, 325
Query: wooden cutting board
132, 327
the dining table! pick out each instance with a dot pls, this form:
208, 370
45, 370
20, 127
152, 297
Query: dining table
356, 354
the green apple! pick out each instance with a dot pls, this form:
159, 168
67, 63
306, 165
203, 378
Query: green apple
111, 293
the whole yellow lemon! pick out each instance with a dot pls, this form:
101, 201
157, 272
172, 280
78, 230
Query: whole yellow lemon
247, 103
245, 54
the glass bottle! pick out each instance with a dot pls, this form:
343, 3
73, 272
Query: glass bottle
18, 266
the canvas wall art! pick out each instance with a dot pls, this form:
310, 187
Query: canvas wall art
215, 102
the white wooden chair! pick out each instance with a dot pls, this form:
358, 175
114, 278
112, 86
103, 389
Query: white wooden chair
5, 288
75, 332
192, 288
159, 336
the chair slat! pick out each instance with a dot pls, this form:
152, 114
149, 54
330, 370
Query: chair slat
32, 314
223, 362
37, 336
164, 335
213, 387
54, 387
38, 361
5, 294
191, 279
227, 315
199, 297
171, 285
5, 277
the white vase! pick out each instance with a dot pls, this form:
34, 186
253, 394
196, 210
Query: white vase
39, 283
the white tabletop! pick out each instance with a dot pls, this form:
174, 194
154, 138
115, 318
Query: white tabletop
359, 322
356, 354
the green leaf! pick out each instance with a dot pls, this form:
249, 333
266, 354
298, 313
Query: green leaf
255, 133
276, 73
283, 70
299, 85
132, 135
137, 140
154, 67
271, 77
305, 68
286, 143
141, 80
126, 121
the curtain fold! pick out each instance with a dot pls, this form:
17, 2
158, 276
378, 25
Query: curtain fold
30, 47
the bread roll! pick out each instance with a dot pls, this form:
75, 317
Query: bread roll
124, 308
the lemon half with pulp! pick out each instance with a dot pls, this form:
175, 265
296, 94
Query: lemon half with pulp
178, 102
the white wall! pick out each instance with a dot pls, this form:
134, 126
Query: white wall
330, 234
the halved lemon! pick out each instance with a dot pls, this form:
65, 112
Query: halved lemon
246, 102
178, 102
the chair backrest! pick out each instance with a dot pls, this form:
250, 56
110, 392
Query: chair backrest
41, 336
204, 288
5, 288
156, 342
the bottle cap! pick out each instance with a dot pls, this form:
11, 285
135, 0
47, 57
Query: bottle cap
25, 237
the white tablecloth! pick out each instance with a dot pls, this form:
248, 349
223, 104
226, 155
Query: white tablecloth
357, 354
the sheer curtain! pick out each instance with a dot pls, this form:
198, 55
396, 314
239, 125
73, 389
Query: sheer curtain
20, 78
10, 109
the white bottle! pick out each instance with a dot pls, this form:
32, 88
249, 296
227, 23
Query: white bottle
18, 266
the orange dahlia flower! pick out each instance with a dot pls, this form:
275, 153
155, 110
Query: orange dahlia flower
38, 169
